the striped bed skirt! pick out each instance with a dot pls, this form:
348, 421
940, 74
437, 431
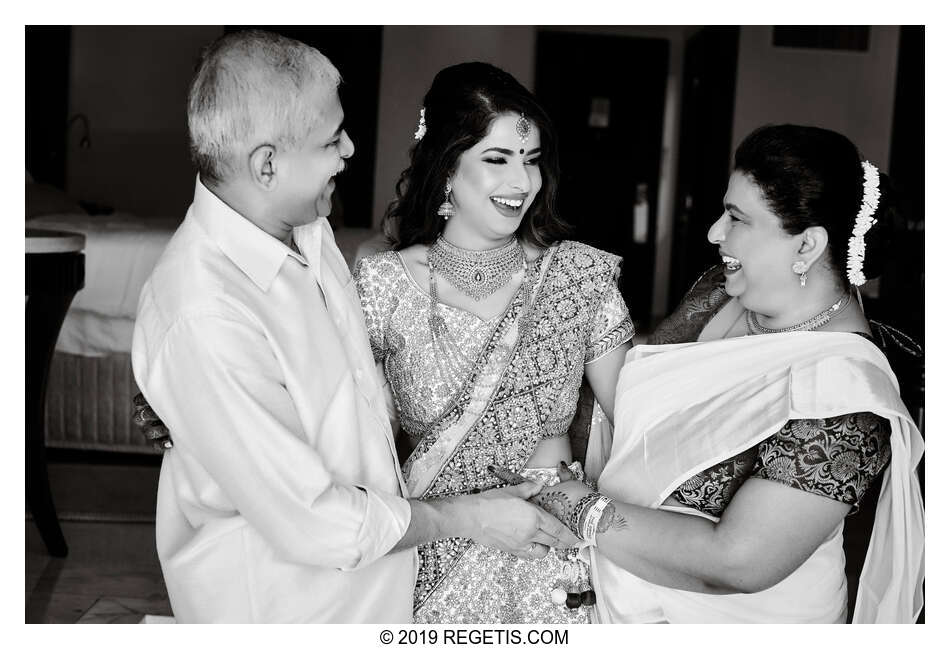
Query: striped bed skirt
89, 404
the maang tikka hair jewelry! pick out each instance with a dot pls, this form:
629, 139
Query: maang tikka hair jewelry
801, 269
523, 128
446, 209
477, 273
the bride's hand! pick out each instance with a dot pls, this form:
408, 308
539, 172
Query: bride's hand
561, 501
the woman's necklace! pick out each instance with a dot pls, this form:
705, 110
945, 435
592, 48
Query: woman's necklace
477, 273
453, 363
812, 323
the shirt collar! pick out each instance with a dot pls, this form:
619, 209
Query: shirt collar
258, 254
309, 240
317, 243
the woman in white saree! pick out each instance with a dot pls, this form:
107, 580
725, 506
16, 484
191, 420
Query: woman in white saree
736, 456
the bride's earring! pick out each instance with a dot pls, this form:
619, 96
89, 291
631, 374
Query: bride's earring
446, 209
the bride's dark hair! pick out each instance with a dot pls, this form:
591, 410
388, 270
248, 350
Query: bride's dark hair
459, 109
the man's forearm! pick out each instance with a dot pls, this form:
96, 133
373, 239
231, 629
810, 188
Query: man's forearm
436, 519
500, 518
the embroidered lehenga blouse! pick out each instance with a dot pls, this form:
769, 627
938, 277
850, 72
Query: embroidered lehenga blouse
483, 392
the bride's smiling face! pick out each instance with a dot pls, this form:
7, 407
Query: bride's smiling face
497, 180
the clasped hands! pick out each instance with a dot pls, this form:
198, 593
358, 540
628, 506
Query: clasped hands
561, 500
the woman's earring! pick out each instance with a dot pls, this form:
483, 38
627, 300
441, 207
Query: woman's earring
446, 209
801, 269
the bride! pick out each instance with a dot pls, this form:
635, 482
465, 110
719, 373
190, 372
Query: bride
485, 321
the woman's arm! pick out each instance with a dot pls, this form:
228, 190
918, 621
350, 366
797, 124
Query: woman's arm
602, 375
766, 532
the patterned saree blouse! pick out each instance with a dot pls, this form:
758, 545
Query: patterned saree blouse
837, 457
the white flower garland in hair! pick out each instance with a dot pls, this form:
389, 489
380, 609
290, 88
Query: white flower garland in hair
421, 130
863, 223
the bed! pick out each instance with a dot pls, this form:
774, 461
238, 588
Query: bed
90, 383
90, 390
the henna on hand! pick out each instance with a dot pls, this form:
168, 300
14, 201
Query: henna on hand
557, 504
567, 501
149, 424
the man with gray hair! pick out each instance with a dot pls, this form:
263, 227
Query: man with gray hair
282, 500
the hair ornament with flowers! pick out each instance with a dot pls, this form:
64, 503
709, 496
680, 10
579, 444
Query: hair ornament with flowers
421, 129
862, 223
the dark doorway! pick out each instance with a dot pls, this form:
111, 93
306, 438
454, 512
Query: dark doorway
709, 92
902, 281
356, 52
47, 95
606, 95
901, 301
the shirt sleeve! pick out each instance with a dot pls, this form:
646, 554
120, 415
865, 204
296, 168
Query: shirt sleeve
377, 308
612, 323
836, 457
218, 386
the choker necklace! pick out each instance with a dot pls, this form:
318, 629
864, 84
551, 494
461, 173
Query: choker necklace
812, 323
477, 273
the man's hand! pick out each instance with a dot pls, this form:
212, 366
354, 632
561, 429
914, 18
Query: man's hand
502, 518
150, 425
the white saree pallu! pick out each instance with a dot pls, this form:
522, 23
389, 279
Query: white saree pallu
683, 408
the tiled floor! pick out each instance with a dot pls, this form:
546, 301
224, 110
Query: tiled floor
111, 574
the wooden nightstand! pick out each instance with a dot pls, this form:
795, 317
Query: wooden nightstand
55, 271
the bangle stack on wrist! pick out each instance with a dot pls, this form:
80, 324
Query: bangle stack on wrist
586, 515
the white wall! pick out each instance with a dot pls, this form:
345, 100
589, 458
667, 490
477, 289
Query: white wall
848, 92
132, 82
412, 55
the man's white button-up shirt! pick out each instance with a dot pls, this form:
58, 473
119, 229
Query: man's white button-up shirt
282, 495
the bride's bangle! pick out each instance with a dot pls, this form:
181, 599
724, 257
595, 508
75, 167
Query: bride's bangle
592, 518
586, 515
